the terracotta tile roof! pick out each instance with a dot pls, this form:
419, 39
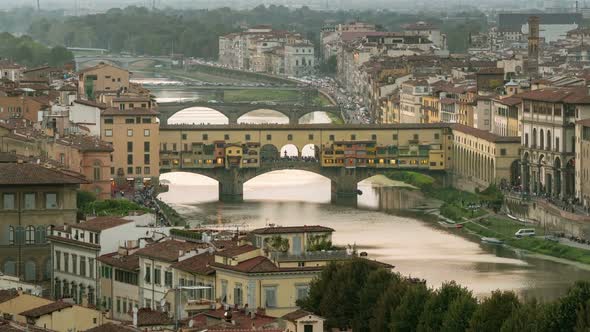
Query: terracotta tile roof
295, 315
99, 66
491, 71
30, 174
134, 111
129, 99
125, 262
101, 223
292, 229
584, 122
243, 321
167, 250
90, 103
261, 264
557, 95
224, 244
485, 135
46, 309
198, 264
235, 251
8, 294
111, 327
509, 101
149, 317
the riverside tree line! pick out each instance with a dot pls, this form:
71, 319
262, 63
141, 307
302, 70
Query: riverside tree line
365, 296
195, 33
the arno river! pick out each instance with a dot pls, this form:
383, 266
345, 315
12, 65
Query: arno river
415, 247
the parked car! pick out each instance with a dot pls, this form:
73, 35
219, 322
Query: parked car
524, 232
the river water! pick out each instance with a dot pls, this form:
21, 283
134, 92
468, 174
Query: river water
415, 247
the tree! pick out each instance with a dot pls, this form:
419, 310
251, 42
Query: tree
459, 313
527, 317
377, 281
438, 304
60, 55
493, 311
564, 315
329, 66
407, 315
387, 305
583, 318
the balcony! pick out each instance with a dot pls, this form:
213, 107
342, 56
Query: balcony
326, 255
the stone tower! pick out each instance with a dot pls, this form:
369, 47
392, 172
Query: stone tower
533, 48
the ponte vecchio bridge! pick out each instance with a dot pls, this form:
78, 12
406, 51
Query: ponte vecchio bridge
233, 111
345, 154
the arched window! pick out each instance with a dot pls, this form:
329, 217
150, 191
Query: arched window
30, 271
30, 235
9, 267
534, 140
541, 139
10, 235
96, 170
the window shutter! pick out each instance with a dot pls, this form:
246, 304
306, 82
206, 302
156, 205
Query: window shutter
19, 235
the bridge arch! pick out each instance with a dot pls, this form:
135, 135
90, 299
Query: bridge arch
275, 117
205, 115
290, 150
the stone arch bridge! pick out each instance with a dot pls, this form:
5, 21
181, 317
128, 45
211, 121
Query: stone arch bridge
233, 111
119, 61
345, 154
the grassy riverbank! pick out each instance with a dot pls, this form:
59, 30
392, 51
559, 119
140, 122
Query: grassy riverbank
465, 208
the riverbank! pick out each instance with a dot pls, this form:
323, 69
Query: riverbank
476, 213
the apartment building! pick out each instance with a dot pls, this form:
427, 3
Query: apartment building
411, 96
156, 277
34, 199
103, 78
134, 136
75, 252
262, 49
505, 116
119, 282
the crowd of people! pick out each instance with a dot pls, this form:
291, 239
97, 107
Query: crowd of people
146, 197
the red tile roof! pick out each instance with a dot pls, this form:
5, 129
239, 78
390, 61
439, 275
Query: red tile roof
295, 315
32, 174
149, 317
125, 262
46, 309
168, 250
235, 251
558, 95
8, 294
485, 135
111, 327
99, 224
261, 264
198, 264
509, 101
292, 229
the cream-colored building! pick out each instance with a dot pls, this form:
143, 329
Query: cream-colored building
303, 321
483, 158
13, 302
33, 200
119, 277
583, 162
64, 317
135, 137
100, 79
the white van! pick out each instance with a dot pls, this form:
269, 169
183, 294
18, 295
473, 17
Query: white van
525, 232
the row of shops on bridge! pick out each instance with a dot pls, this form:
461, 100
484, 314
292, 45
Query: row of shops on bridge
348, 154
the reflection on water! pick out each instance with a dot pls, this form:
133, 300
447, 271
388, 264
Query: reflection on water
415, 247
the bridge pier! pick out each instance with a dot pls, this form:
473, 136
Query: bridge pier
294, 118
344, 190
232, 118
231, 186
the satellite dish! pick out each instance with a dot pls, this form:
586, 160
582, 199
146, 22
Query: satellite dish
162, 303
191, 323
